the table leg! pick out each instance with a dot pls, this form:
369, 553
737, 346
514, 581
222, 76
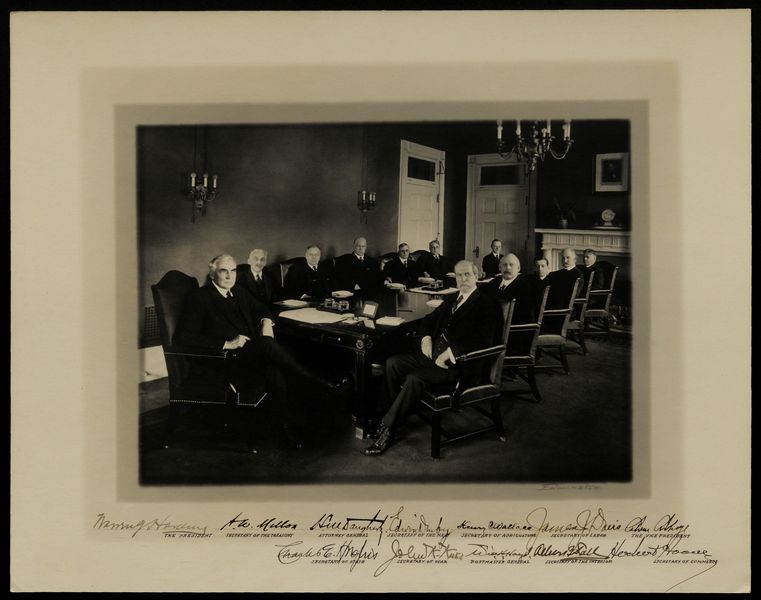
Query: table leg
361, 408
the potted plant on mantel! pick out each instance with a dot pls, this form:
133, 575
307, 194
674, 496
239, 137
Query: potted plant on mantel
564, 213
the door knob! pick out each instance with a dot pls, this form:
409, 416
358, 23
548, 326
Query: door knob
477, 251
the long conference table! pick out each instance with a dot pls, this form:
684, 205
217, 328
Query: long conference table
369, 343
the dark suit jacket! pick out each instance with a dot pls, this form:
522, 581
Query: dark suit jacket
301, 279
268, 292
437, 269
522, 291
537, 288
490, 264
205, 322
398, 273
350, 272
599, 280
561, 283
476, 324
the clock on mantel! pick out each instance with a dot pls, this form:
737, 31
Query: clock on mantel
607, 220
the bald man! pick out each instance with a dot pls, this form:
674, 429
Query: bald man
562, 280
258, 280
512, 285
357, 272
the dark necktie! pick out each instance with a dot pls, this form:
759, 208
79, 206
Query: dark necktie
456, 305
314, 268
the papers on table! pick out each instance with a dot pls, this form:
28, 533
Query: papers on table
314, 316
433, 302
441, 292
392, 321
293, 303
342, 294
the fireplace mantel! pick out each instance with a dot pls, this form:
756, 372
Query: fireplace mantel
611, 242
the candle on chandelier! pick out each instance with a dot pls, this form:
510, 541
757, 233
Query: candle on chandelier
499, 130
192, 180
214, 182
548, 127
569, 129
205, 179
518, 128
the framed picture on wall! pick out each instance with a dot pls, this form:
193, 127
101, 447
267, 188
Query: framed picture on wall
612, 172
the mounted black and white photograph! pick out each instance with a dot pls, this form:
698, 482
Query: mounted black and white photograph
429, 301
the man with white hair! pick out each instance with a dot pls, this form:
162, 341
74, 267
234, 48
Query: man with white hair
224, 316
259, 281
462, 323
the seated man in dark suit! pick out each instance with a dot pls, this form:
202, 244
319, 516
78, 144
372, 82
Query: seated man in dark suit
356, 271
540, 279
562, 280
260, 282
512, 285
402, 269
490, 263
591, 266
462, 323
561, 287
433, 263
224, 316
308, 279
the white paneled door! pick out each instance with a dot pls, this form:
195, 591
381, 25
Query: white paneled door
421, 195
498, 207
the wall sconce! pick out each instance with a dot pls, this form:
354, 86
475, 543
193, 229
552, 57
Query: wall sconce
199, 192
365, 198
535, 147
365, 202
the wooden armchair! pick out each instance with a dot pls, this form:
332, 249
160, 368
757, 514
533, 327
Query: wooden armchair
520, 354
597, 316
387, 258
469, 392
194, 377
558, 336
576, 326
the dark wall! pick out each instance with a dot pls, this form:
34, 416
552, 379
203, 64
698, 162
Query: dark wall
572, 180
282, 187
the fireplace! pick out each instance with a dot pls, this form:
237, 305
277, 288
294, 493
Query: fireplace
613, 245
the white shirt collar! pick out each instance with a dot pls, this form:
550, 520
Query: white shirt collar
505, 282
358, 256
222, 291
468, 295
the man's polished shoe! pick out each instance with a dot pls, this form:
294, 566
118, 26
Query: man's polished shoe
341, 388
381, 443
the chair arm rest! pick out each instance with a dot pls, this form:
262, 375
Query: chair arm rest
599, 292
481, 354
175, 351
524, 327
555, 311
